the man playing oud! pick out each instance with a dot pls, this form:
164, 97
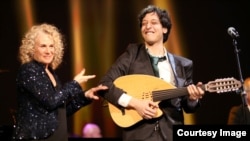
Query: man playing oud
155, 25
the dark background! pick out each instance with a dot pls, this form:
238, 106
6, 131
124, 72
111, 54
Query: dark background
203, 25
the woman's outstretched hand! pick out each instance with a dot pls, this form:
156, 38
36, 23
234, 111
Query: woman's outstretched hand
92, 93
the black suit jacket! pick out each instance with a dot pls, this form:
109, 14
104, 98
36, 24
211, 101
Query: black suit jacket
136, 60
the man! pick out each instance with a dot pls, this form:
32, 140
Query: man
155, 25
241, 114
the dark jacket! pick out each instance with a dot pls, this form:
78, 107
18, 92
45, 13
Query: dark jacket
136, 60
39, 101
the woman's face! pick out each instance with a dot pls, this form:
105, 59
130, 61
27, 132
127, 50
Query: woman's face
44, 48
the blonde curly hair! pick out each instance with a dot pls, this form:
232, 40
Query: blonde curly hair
26, 49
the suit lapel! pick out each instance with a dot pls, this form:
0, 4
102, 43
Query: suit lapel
147, 63
177, 71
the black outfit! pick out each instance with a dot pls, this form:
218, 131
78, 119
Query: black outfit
136, 60
42, 108
239, 115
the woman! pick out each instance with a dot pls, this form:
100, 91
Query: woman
43, 103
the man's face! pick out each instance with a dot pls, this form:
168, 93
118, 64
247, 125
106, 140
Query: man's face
152, 30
